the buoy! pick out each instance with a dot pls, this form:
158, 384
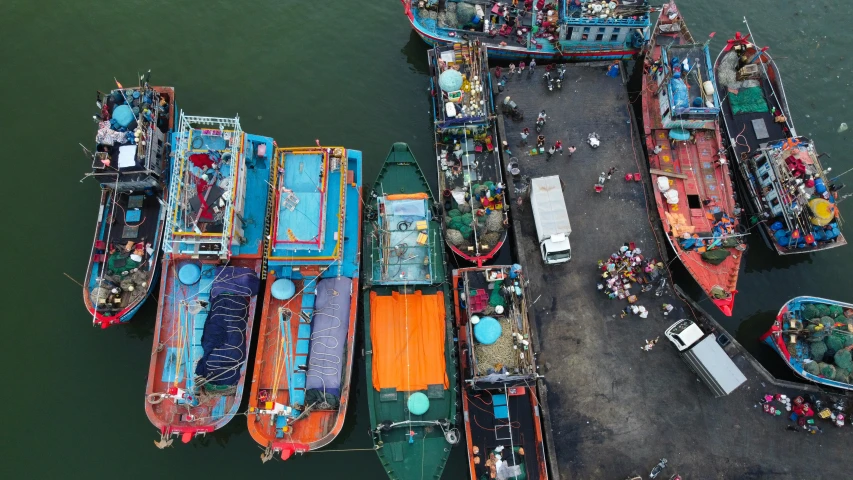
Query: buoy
823, 211
189, 273
418, 403
487, 330
475, 319
283, 289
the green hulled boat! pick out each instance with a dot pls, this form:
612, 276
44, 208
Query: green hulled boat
411, 366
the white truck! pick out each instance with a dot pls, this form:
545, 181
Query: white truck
705, 357
552, 219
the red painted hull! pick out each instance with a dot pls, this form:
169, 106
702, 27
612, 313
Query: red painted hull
703, 182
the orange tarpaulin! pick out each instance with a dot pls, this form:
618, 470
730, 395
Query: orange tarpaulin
408, 335
407, 196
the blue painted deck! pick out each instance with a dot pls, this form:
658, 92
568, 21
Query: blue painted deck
302, 175
257, 193
304, 178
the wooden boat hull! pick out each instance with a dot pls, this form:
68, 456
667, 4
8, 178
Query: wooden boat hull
214, 411
481, 425
775, 338
108, 230
509, 52
409, 446
283, 433
697, 172
742, 141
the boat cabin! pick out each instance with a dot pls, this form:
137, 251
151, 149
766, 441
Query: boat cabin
401, 245
461, 84
208, 187
791, 186
685, 79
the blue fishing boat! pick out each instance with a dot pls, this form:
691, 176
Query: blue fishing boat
815, 337
553, 30
213, 256
131, 163
473, 205
306, 342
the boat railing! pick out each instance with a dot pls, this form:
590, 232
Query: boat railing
182, 235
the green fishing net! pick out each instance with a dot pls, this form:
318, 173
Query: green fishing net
495, 298
818, 350
812, 367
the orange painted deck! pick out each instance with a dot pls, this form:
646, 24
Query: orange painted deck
707, 188
319, 427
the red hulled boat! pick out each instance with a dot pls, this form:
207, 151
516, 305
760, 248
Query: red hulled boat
690, 173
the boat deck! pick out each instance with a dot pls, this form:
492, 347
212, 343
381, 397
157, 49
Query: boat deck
180, 322
254, 215
508, 419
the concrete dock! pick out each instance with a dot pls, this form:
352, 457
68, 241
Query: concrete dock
611, 409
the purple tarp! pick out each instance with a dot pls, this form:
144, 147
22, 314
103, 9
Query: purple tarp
329, 330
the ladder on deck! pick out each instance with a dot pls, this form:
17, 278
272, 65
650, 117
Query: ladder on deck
296, 360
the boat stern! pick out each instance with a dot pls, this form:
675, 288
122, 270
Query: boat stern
726, 305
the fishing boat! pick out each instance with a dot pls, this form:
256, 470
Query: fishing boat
690, 174
213, 255
131, 162
408, 330
496, 358
787, 191
303, 365
473, 206
815, 336
554, 30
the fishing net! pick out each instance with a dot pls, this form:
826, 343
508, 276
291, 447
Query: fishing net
465, 208
462, 224
818, 350
816, 335
464, 13
827, 322
812, 367
495, 298
841, 376
809, 311
835, 343
499, 354
748, 100
730, 242
822, 310
843, 359
848, 340
716, 256
454, 237
792, 349
835, 311
495, 222
491, 239
827, 370
454, 213
447, 17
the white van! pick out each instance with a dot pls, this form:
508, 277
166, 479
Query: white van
551, 218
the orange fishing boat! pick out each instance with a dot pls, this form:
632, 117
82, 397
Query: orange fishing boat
213, 252
690, 173
301, 380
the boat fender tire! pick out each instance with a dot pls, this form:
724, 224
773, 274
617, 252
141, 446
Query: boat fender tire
452, 437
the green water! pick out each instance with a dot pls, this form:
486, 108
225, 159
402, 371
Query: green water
348, 73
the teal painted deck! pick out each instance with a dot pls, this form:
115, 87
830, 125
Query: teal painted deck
257, 192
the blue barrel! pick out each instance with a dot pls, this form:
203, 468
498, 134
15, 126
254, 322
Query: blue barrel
488, 330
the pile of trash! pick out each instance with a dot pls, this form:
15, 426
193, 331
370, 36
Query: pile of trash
626, 269
804, 412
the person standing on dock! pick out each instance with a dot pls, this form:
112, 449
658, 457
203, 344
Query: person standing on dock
498, 72
572, 150
558, 146
521, 66
511, 68
532, 68
540, 141
550, 153
524, 134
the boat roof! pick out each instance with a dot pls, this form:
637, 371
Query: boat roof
406, 237
698, 59
208, 187
310, 206
121, 156
513, 349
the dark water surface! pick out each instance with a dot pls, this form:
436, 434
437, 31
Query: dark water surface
348, 73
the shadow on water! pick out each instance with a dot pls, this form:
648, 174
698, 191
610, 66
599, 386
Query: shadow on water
415, 51
760, 258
